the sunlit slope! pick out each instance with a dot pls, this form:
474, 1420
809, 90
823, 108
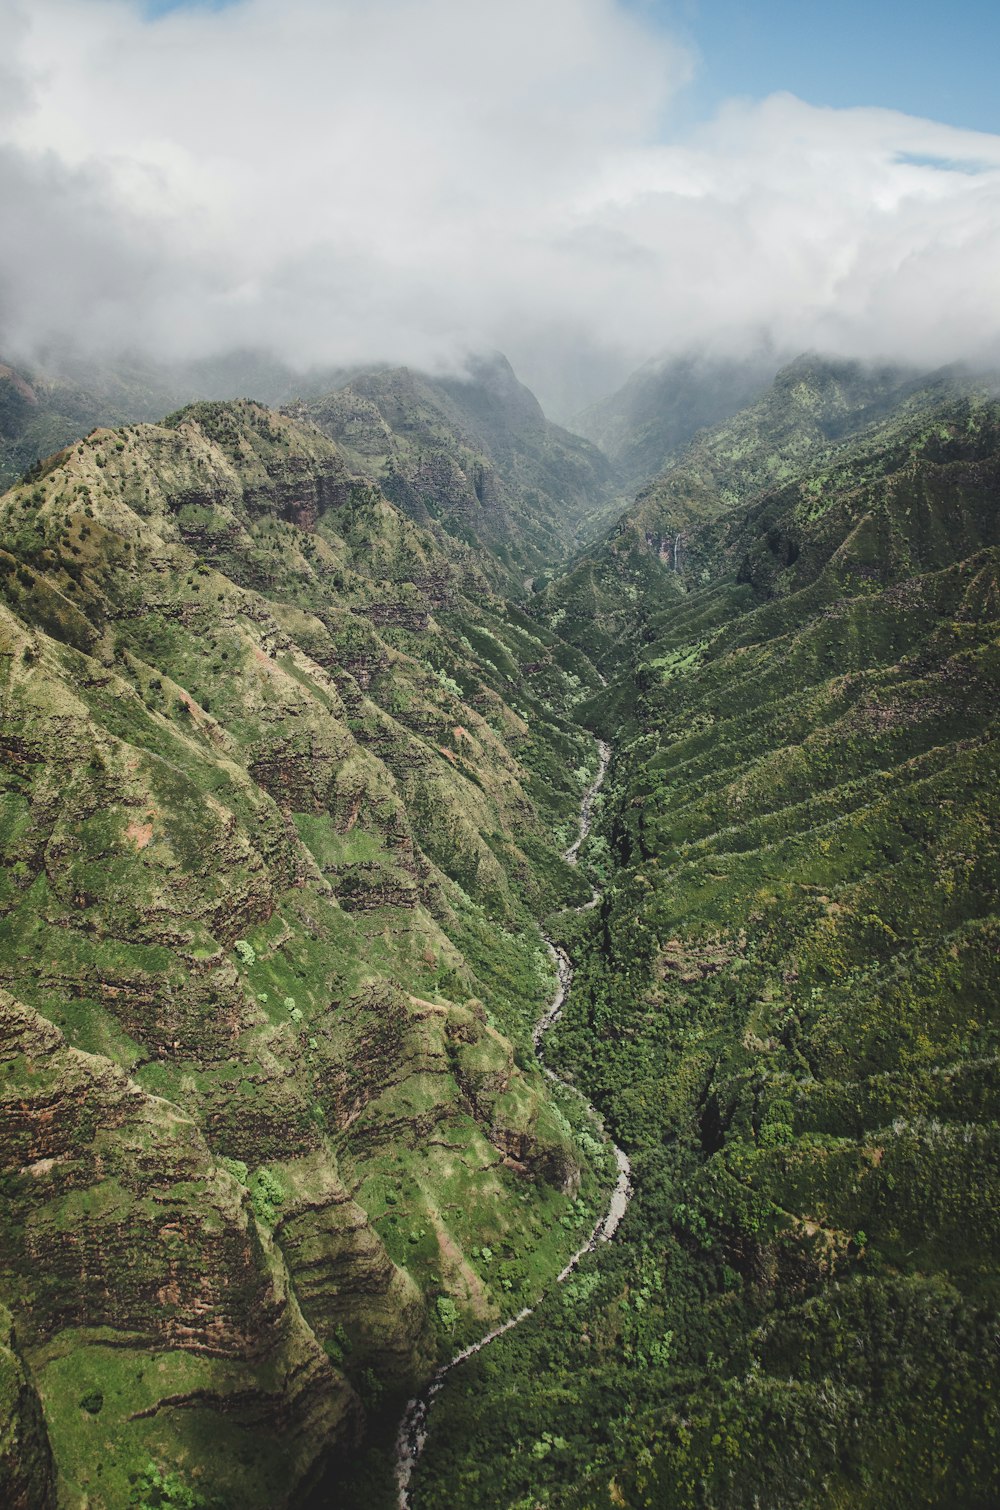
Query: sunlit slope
282, 788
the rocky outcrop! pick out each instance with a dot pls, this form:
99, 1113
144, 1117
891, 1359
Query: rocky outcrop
364, 1308
27, 1472
118, 1222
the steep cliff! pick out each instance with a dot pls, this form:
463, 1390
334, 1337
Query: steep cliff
281, 793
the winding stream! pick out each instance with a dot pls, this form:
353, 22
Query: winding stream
412, 1432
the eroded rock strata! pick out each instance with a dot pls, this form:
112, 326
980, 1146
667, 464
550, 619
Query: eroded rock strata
266, 956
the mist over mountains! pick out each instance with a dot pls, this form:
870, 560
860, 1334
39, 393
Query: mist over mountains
499, 821
439, 179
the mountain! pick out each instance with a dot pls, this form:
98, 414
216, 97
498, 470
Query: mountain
661, 407
785, 1002
471, 457
813, 406
283, 791
288, 775
473, 454
61, 399
40, 414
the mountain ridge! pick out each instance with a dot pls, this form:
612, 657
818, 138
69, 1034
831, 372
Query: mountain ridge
255, 827
287, 780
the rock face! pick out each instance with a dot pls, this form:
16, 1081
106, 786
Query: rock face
122, 1232
268, 845
27, 1472
472, 455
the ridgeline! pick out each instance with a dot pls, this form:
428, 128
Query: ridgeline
292, 764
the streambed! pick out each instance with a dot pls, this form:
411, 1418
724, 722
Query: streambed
413, 1427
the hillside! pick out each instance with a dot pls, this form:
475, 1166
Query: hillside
813, 407
43, 408
786, 1006
282, 794
658, 411
471, 457
39, 414
474, 455
286, 786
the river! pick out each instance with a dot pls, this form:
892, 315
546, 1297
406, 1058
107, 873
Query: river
413, 1427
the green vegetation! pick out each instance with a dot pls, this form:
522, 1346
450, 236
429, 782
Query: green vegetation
275, 839
159, 1490
785, 1006
286, 785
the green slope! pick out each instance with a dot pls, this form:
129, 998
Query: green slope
786, 1006
282, 795
810, 412
285, 783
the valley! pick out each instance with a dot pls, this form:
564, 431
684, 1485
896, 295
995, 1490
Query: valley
783, 1001
431, 850
413, 1428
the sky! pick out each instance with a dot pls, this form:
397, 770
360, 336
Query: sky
920, 57
584, 184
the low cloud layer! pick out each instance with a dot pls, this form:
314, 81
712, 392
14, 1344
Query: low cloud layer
412, 179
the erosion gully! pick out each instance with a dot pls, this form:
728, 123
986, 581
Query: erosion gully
413, 1427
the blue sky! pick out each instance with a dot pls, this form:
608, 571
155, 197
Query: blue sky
923, 57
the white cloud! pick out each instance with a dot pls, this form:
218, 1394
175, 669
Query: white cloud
412, 178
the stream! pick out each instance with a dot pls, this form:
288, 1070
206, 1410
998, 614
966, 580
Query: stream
413, 1428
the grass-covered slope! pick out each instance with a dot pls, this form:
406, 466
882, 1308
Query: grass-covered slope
282, 792
786, 1005
812, 411
39, 414
473, 457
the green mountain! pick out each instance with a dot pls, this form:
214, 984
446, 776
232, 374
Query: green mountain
283, 791
812, 407
44, 409
286, 787
475, 456
472, 458
785, 1003
40, 414
662, 406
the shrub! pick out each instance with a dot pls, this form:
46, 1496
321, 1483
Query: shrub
246, 952
266, 1196
447, 1312
156, 1490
